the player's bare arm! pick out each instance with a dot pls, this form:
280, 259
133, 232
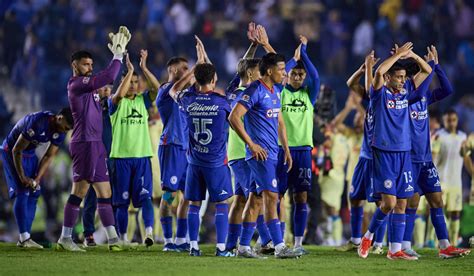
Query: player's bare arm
252, 36
125, 84
369, 64
354, 81
236, 122
46, 161
262, 39
152, 83
425, 69
388, 63
284, 142
20, 145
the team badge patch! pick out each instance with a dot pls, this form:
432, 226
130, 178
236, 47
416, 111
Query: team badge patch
174, 179
86, 80
245, 98
31, 132
387, 184
125, 195
55, 136
391, 104
274, 183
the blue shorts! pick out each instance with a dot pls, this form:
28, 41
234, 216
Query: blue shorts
30, 167
216, 180
241, 172
173, 164
425, 178
362, 181
392, 173
299, 177
263, 175
132, 177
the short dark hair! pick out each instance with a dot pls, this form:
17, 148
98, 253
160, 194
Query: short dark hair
451, 111
175, 60
80, 54
299, 65
204, 73
397, 66
246, 64
67, 115
269, 60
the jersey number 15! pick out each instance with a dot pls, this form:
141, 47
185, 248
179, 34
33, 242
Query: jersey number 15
200, 127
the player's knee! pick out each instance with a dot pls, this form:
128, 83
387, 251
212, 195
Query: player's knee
435, 200
414, 201
388, 204
301, 197
357, 203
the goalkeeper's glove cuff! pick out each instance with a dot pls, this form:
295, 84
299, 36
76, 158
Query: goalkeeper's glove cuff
118, 57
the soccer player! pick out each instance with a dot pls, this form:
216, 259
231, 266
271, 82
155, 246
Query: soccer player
297, 104
206, 115
425, 175
392, 172
22, 171
131, 149
259, 105
172, 159
87, 150
450, 164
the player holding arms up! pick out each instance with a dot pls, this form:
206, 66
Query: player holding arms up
87, 150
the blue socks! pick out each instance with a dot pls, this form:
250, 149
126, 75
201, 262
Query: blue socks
167, 226
181, 228
397, 230
148, 213
233, 235
193, 222
439, 224
122, 219
263, 230
377, 220
357, 215
410, 216
247, 233
275, 231
222, 222
380, 233
300, 218
31, 211
282, 228
21, 213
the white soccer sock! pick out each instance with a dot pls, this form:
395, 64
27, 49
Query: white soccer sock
124, 237
194, 244
443, 244
179, 241
406, 245
355, 240
378, 244
66, 232
279, 247
149, 231
170, 240
298, 241
220, 246
369, 235
394, 247
24, 236
111, 233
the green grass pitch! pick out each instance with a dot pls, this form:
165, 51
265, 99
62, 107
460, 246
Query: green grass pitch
320, 261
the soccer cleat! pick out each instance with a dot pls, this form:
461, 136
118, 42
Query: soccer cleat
249, 254
224, 253
194, 252
377, 250
400, 255
300, 250
148, 241
364, 247
184, 247
68, 244
266, 249
89, 241
453, 252
170, 247
411, 252
115, 247
287, 253
349, 246
29, 243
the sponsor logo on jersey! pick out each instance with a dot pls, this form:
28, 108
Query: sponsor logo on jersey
388, 184
419, 115
199, 109
273, 112
397, 104
134, 118
297, 106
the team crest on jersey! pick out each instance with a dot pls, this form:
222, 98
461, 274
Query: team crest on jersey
55, 136
391, 104
232, 96
387, 184
173, 179
414, 114
96, 97
352, 189
30, 132
86, 80
245, 98
403, 91
274, 183
423, 99
125, 195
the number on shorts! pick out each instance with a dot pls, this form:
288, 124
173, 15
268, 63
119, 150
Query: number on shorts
432, 173
305, 173
408, 178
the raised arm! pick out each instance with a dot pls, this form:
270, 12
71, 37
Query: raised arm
354, 81
341, 116
445, 88
180, 85
125, 84
312, 76
369, 64
388, 63
152, 83
252, 36
262, 39
425, 69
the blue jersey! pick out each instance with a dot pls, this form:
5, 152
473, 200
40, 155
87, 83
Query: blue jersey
261, 120
37, 129
208, 128
419, 116
174, 120
391, 119
366, 149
